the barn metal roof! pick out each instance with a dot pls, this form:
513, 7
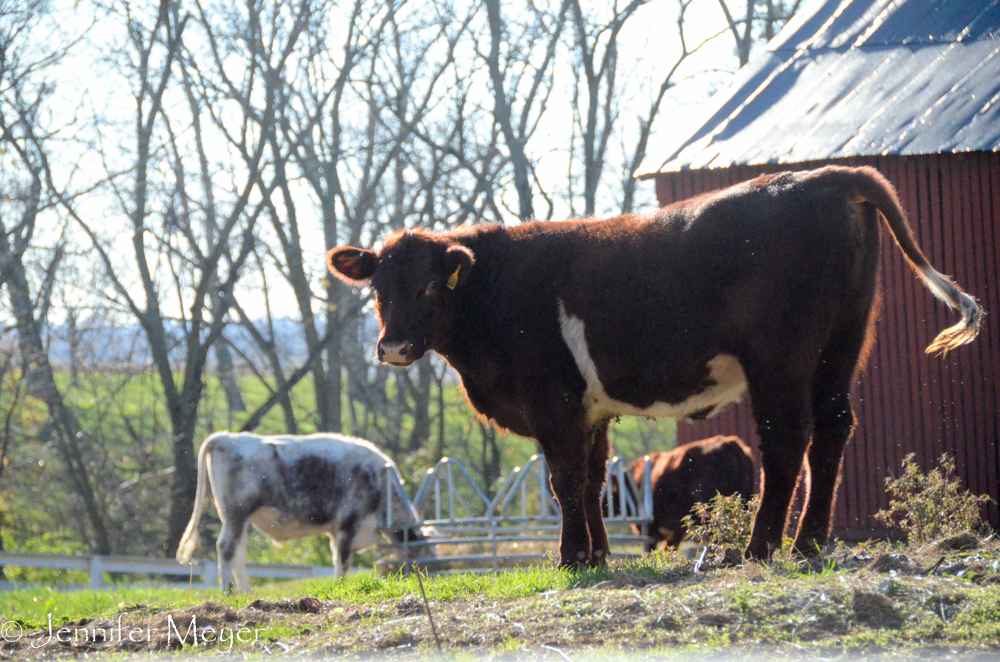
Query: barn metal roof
858, 77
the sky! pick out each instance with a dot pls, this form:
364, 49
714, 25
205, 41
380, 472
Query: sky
648, 48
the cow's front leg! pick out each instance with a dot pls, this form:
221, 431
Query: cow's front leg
597, 461
567, 477
342, 547
559, 425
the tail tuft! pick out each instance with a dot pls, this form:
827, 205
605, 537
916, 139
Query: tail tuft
185, 550
962, 333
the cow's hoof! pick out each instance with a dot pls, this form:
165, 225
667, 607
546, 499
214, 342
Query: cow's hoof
758, 551
808, 550
598, 559
575, 562
810, 565
731, 558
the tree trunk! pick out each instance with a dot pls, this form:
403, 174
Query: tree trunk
333, 360
185, 478
68, 435
421, 432
74, 347
441, 416
224, 367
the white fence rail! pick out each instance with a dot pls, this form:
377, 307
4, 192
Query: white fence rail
205, 570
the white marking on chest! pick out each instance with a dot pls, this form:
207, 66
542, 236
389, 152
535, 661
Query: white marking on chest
725, 370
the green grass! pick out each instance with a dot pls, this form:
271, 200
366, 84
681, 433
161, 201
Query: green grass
366, 588
32, 606
635, 608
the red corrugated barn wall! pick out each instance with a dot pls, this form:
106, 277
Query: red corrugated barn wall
908, 402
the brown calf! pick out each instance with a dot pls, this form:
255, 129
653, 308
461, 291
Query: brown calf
768, 287
690, 474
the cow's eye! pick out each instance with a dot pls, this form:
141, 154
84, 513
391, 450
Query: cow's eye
431, 289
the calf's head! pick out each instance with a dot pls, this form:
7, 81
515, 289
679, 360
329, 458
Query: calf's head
416, 277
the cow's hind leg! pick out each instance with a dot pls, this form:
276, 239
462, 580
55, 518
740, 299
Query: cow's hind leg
784, 424
231, 551
597, 461
833, 427
834, 424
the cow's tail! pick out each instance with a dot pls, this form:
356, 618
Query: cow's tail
189, 541
870, 185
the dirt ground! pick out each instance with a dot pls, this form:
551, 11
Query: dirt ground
931, 602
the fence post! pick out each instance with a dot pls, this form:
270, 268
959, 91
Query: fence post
647, 487
96, 571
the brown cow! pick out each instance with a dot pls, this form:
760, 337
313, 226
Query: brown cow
690, 474
767, 287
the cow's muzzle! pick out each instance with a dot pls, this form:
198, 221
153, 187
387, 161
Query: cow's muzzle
396, 353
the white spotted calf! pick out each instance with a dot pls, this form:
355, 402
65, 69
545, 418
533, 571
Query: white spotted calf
292, 487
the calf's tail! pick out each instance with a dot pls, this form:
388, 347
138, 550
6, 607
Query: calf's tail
871, 186
189, 541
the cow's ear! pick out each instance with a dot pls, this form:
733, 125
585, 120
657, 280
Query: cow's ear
354, 266
458, 261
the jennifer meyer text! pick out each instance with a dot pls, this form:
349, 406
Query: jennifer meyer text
176, 634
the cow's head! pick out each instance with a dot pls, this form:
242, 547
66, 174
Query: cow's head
416, 277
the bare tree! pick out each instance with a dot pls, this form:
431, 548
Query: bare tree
311, 131
518, 75
646, 121
198, 252
776, 13
28, 197
596, 44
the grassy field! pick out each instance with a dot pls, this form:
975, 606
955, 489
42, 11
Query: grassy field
874, 601
127, 440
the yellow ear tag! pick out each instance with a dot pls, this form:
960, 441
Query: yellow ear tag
453, 279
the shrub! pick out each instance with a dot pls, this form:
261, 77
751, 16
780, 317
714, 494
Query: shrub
932, 505
722, 522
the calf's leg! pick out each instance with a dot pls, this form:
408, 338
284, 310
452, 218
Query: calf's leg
342, 546
228, 548
240, 562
